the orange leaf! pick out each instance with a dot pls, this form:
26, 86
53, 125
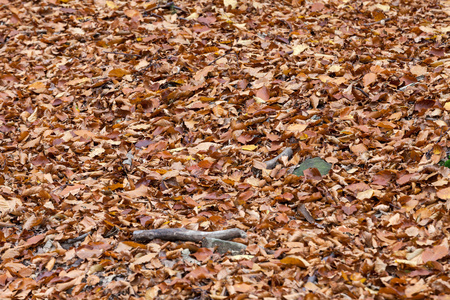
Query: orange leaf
435, 253
297, 127
199, 273
118, 73
114, 187
38, 87
444, 193
35, 239
132, 13
295, 260
135, 245
203, 254
209, 49
243, 288
84, 253
369, 78
246, 195
205, 164
190, 202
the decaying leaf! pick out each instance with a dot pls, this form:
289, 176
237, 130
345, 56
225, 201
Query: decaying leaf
206, 129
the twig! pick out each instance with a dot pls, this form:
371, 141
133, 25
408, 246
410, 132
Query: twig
418, 78
407, 86
305, 213
288, 24
184, 19
158, 16
77, 239
121, 53
182, 234
362, 91
270, 164
442, 135
67, 243
237, 57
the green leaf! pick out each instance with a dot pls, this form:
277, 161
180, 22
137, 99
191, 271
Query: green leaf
315, 162
447, 163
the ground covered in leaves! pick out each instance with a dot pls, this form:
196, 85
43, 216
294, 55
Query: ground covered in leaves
124, 115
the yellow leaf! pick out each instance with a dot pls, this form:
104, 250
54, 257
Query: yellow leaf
249, 147
437, 149
303, 136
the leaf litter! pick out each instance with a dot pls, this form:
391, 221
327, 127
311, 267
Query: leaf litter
146, 115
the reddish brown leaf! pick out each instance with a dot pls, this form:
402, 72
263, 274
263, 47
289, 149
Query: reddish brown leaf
203, 254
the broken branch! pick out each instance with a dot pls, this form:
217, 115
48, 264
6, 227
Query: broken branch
182, 234
270, 164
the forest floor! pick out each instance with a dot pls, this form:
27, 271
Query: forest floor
117, 116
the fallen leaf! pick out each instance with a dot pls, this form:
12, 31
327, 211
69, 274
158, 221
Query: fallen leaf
295, 260
232, 3
444, 193
118, 73
369, 78
249, 147
297, 49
